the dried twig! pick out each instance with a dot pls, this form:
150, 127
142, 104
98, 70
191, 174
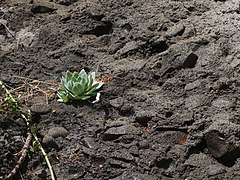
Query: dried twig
33, 80
24, 153
34, 87
27, 118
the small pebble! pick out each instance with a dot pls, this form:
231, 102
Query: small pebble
49, 141
58, 132
40, 108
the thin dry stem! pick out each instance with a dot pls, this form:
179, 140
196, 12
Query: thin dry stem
24, 153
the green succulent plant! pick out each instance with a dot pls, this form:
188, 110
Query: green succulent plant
78, 86
1, 86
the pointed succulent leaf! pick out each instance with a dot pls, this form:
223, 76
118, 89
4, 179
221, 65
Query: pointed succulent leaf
78, 78
63, 96
80, 88
76, 97
69, 85
75, 89
84, 84
91, 78
84, 97
82, 73
68, 76
1, 86
92, 90
97, 84
63, 81
100, 84
93, 75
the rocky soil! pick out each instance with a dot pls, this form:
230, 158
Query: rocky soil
172, 110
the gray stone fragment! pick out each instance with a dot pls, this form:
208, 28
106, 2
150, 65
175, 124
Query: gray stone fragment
223, 103
144, 144
122, 130
115, 47
118, 102
118, 163
198, 160
58, 132
40, 108
123, 155
194, 101
115, 132
192, 85
26, 38
215, 169
221, 123
88, 151
89, 142
175, 30
135, 176
134, 150
129, 47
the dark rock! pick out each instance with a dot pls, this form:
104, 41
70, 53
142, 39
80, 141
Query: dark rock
162, 162
57, 132
115, 132
143, 117
118, 102
221, 150
65, 2
129, 47
158, 46
126, 110
89, 142
88, 151
190, 61
115, 47
144, 144
118, 164
41, 9
127, 27
136, 176
2, 30
98, 161
49, 141
122, 155
134, 150
216, 144
100, 28
40, 108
